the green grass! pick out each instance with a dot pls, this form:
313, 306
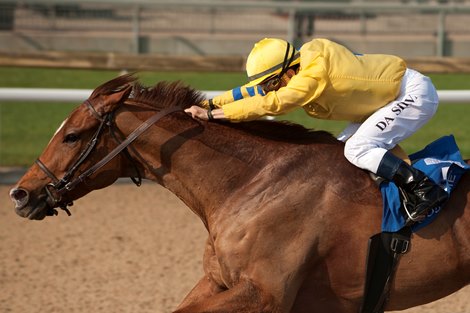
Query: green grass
90, 79
25, 128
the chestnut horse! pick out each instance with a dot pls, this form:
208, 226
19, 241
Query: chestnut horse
288, 217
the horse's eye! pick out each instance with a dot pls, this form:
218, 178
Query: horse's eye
71, 138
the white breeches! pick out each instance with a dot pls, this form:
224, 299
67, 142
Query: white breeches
367, 142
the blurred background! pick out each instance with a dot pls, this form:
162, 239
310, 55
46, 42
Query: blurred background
411, 28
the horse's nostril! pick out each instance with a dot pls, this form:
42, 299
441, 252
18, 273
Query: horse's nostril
18, 194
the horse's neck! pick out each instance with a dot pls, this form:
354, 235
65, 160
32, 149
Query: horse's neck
200, 165
209, 167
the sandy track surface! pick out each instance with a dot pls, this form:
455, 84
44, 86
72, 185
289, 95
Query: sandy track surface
124, 249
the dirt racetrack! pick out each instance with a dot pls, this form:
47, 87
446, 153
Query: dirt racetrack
124, 249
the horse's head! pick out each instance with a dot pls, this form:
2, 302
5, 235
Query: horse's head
77, 145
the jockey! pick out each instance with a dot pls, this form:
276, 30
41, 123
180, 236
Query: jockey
384, 101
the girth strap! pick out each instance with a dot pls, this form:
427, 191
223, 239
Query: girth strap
384, 253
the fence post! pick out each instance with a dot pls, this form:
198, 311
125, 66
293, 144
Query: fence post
136, 28
291, 36
441, 34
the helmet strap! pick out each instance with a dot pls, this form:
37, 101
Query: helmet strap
287, 61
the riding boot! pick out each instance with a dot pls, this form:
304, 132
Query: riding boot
421, 193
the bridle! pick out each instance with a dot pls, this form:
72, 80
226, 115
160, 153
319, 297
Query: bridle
59, 187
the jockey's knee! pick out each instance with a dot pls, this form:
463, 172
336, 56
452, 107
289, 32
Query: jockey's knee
354, 148
363, 153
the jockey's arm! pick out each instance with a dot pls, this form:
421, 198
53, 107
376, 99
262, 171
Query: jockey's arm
232, 95
217, 102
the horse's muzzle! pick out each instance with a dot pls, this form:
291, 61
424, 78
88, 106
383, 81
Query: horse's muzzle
20, 197
27, 209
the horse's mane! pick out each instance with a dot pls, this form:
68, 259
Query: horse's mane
168, 94
162, 95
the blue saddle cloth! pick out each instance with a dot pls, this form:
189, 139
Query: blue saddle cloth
443, 163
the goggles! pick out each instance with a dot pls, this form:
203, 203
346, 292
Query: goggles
274, 82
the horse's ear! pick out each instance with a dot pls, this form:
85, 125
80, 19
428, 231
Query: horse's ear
109, 102
119, 96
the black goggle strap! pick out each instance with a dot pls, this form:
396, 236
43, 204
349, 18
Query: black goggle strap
287, 61
275, 80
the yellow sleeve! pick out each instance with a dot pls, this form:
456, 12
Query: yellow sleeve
303, 88
235, 94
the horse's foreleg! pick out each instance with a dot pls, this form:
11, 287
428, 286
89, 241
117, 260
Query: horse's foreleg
204, 289
244, 297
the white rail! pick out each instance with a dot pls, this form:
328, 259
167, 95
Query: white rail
56, 95
78, 95
454, 96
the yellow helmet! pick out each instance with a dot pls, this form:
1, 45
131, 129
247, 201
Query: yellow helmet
269, 57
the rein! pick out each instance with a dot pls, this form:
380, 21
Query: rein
59, 187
